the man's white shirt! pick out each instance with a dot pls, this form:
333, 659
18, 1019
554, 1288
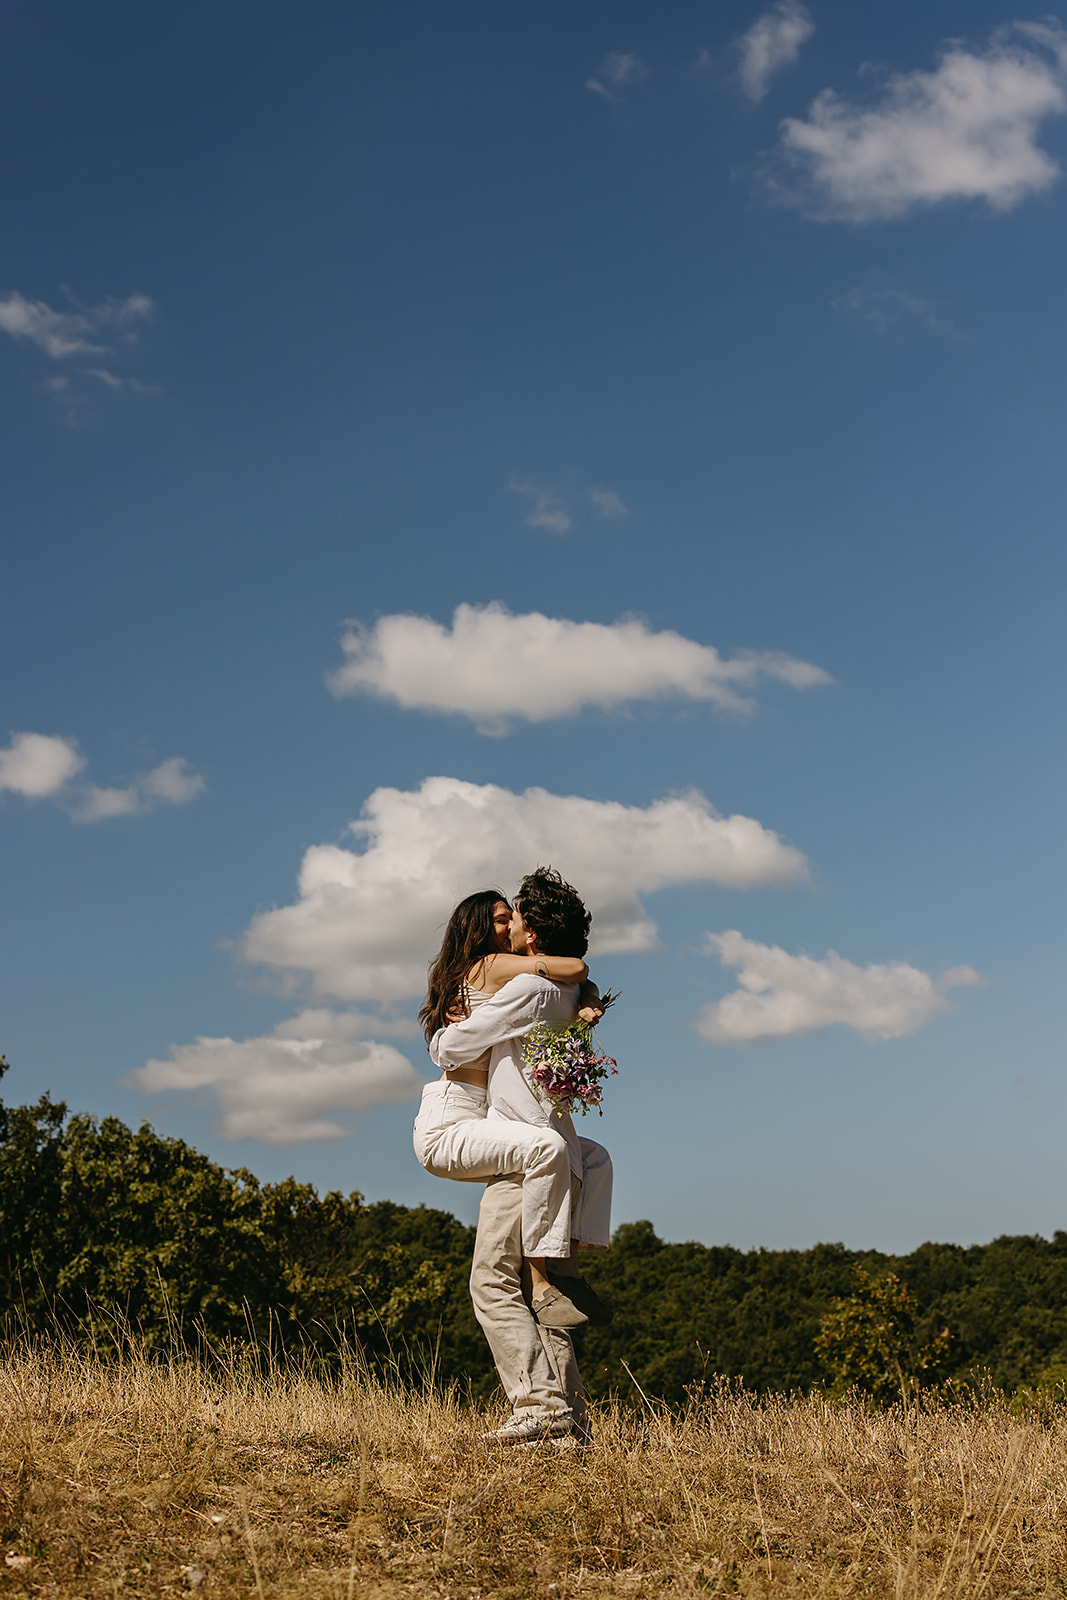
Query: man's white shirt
499, 1025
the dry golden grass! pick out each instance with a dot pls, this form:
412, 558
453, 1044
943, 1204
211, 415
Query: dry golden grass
140, 1479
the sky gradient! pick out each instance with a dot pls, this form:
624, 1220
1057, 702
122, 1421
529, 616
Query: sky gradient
623, 436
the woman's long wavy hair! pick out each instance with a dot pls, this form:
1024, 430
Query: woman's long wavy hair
468, 939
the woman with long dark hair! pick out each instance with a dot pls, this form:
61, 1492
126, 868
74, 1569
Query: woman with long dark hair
476, 958
452, 1137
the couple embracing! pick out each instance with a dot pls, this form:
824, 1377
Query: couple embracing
501, 972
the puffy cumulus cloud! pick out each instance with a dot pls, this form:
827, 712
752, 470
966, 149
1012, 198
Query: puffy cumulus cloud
322, 1023
38, 764
782, 996
171, 781
492, 666
44, 766
281, 1090
367, 919
617, 72
61, 334
772, 42
965, 131
99, 805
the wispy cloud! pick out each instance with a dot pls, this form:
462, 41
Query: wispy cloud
883, 307
547, 508
45, 766
607, 503
550, 507
965, 131
494, 666
366, 916
76, 334
62, 334
782, 996
616, 73
112, 381
773, 42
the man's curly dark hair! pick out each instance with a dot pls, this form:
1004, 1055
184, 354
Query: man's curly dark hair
553, 910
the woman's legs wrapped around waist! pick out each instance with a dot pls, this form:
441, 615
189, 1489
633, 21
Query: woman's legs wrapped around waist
444, 1104
473, 1149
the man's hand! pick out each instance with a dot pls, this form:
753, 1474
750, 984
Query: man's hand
589, 1007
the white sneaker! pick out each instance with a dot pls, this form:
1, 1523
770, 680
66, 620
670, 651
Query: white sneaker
568, 1444
530, 1430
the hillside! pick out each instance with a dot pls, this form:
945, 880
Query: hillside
98, 1222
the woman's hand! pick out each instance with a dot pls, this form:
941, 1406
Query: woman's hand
591, 1013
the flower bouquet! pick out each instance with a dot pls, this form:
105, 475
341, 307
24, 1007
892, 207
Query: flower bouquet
567, 1065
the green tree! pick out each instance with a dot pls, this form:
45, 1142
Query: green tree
867, 1340
102, 1227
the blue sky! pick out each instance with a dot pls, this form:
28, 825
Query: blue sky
626, 436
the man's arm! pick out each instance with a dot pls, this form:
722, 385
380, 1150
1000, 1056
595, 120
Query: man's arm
513, 1010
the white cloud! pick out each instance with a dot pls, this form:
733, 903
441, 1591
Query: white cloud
98, 805
607, 503
965, 131
782, 996
170, 781
772, 42
38, 764
61, 334
351, 1024
111, 381
282, 1090
547, 511
880, 305
493, 665
617, 71
369, 918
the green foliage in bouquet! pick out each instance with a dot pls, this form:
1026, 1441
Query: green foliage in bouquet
568, 1065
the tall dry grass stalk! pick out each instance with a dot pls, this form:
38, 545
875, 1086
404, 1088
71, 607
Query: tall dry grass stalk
124, 1476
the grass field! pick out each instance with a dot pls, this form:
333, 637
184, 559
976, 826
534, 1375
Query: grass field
144, 1479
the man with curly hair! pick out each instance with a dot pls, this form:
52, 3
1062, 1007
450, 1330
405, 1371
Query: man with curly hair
536, 1363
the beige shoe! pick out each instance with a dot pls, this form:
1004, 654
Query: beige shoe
583, 1296
555, 1310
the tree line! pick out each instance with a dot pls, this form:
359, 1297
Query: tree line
105, 1228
